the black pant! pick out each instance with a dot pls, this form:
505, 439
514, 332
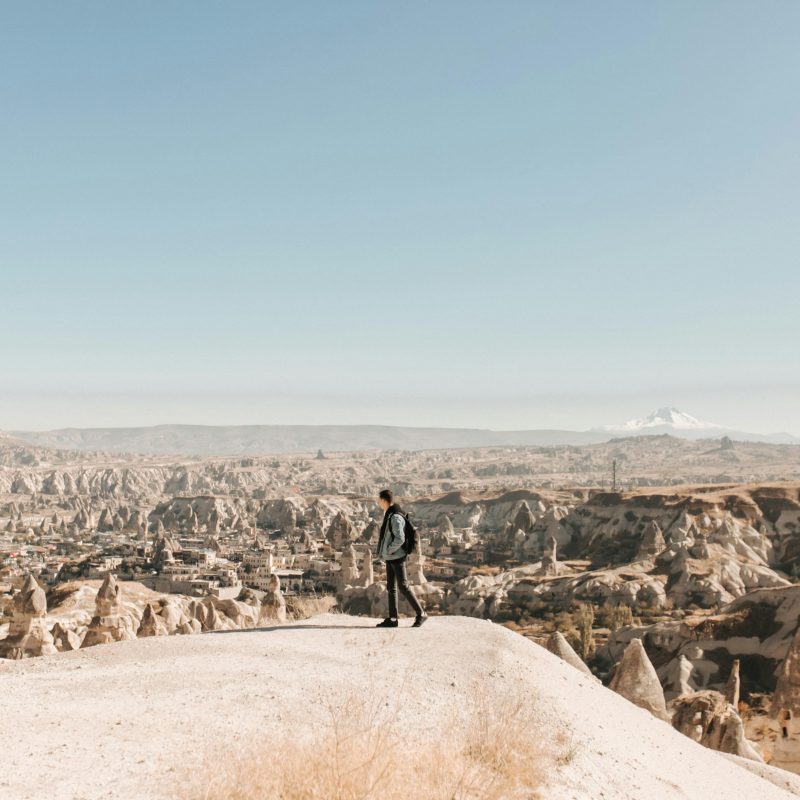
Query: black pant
396, 574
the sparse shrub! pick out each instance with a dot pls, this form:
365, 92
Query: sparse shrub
615, 617
361, 753
565, 624
305, 607
584, 620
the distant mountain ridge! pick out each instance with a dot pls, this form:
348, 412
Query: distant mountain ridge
264, 439
221, 440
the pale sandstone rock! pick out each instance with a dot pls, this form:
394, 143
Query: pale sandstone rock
733, 686
652, 542
709, 719
524, 519
371, 532
65, 639
348, 575
340, 531
366, 575
636, 680
152, 624
785, 709
28, 634
213, 621
559, 646
240, 615
273, 606
676, 677
111, 622
172, 615
550, 565
414, 567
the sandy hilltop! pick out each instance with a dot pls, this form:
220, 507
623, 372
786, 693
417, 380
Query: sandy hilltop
156, 718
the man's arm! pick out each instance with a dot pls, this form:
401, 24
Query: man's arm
397, 524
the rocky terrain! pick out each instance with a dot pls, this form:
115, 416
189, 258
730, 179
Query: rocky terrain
640, 461
681, 597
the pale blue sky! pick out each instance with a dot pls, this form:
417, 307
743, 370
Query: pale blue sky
543, 214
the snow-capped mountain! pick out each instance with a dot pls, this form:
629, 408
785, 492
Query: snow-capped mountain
663, 421
679, 423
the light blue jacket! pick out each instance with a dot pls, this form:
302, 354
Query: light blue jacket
391, 547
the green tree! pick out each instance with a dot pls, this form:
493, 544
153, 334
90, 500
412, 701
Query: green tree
584, 621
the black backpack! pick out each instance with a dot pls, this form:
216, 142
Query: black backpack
411, 541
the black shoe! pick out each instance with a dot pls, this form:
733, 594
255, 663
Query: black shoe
420, 621
387, 623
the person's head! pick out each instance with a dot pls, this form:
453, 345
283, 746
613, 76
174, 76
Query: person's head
385, 499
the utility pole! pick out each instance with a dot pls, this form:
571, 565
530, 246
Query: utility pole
614, 475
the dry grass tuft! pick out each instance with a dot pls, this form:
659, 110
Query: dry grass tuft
490, 753
305, 607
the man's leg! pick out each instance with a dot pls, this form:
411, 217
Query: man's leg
391, 586
408, 592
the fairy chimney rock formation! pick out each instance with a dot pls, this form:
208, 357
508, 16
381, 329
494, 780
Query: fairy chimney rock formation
678, 677
443, 536
164, 549
709, 719
415, 563
652, 542
110, 622
549, 561
107, 601
371, 531
28, 634
151, 624
340, 531
733, 685
787, 689
212, 620
273, 606
348, 575
105, 522
785, 710
560, 647
65, 639
366, 575
636, 680
524, 519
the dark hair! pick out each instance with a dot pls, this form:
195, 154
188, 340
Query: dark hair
386, 494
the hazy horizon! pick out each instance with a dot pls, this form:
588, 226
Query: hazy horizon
539, 216
564, 413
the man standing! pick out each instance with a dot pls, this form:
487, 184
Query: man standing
390, 550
